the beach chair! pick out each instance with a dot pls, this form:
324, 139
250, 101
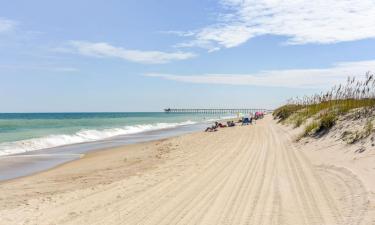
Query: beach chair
245, 121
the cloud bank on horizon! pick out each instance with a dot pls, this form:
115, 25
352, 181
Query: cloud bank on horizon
301, 21
292, 78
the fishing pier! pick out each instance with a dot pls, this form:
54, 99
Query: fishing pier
215, 111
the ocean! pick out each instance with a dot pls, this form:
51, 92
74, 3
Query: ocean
27, 132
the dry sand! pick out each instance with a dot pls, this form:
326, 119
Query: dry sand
243, 175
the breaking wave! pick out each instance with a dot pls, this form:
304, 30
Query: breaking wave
51, 141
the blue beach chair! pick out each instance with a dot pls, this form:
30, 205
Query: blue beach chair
246, 121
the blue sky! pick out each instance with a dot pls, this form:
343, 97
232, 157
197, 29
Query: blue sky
146, 55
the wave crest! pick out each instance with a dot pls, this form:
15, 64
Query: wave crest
51, 141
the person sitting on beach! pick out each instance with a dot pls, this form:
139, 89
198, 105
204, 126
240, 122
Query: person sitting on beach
211, 129
221, 125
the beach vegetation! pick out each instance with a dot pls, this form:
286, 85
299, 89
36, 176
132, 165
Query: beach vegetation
369, 127
327, 121
298, 121
324, 109
311, 128
284, 112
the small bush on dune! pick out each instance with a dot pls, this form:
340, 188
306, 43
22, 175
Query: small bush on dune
285, 111
298, 122
354, 137
327, 121
311, 128
369, 127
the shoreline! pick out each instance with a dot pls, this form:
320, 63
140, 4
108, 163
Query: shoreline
85, 156
52, 157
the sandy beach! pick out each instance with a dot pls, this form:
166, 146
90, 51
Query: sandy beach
243, 175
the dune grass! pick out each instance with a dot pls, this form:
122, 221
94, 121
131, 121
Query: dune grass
325, 108
311, 128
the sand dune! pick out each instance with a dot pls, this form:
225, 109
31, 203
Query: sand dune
245, 175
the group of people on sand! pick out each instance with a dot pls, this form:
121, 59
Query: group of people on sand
258, 115
217, 125
242, 121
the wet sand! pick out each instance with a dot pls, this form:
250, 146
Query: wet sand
19, 165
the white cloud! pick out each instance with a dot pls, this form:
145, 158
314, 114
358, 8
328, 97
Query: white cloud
40, 67
65, 69
6, 25
301, 21
292, 78
179, 33
103, 49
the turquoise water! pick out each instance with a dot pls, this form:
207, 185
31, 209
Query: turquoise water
24, 132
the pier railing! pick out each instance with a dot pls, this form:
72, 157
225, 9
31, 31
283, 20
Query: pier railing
215, 111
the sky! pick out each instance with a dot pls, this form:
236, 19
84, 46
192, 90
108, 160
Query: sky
138, 55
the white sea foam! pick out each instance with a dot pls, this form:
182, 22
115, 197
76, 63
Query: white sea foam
51, 141
222, 118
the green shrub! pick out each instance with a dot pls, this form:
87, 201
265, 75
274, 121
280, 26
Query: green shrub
285, 111
311, 128
299, 121
356, 136
353, 137
327, 121
368, 128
